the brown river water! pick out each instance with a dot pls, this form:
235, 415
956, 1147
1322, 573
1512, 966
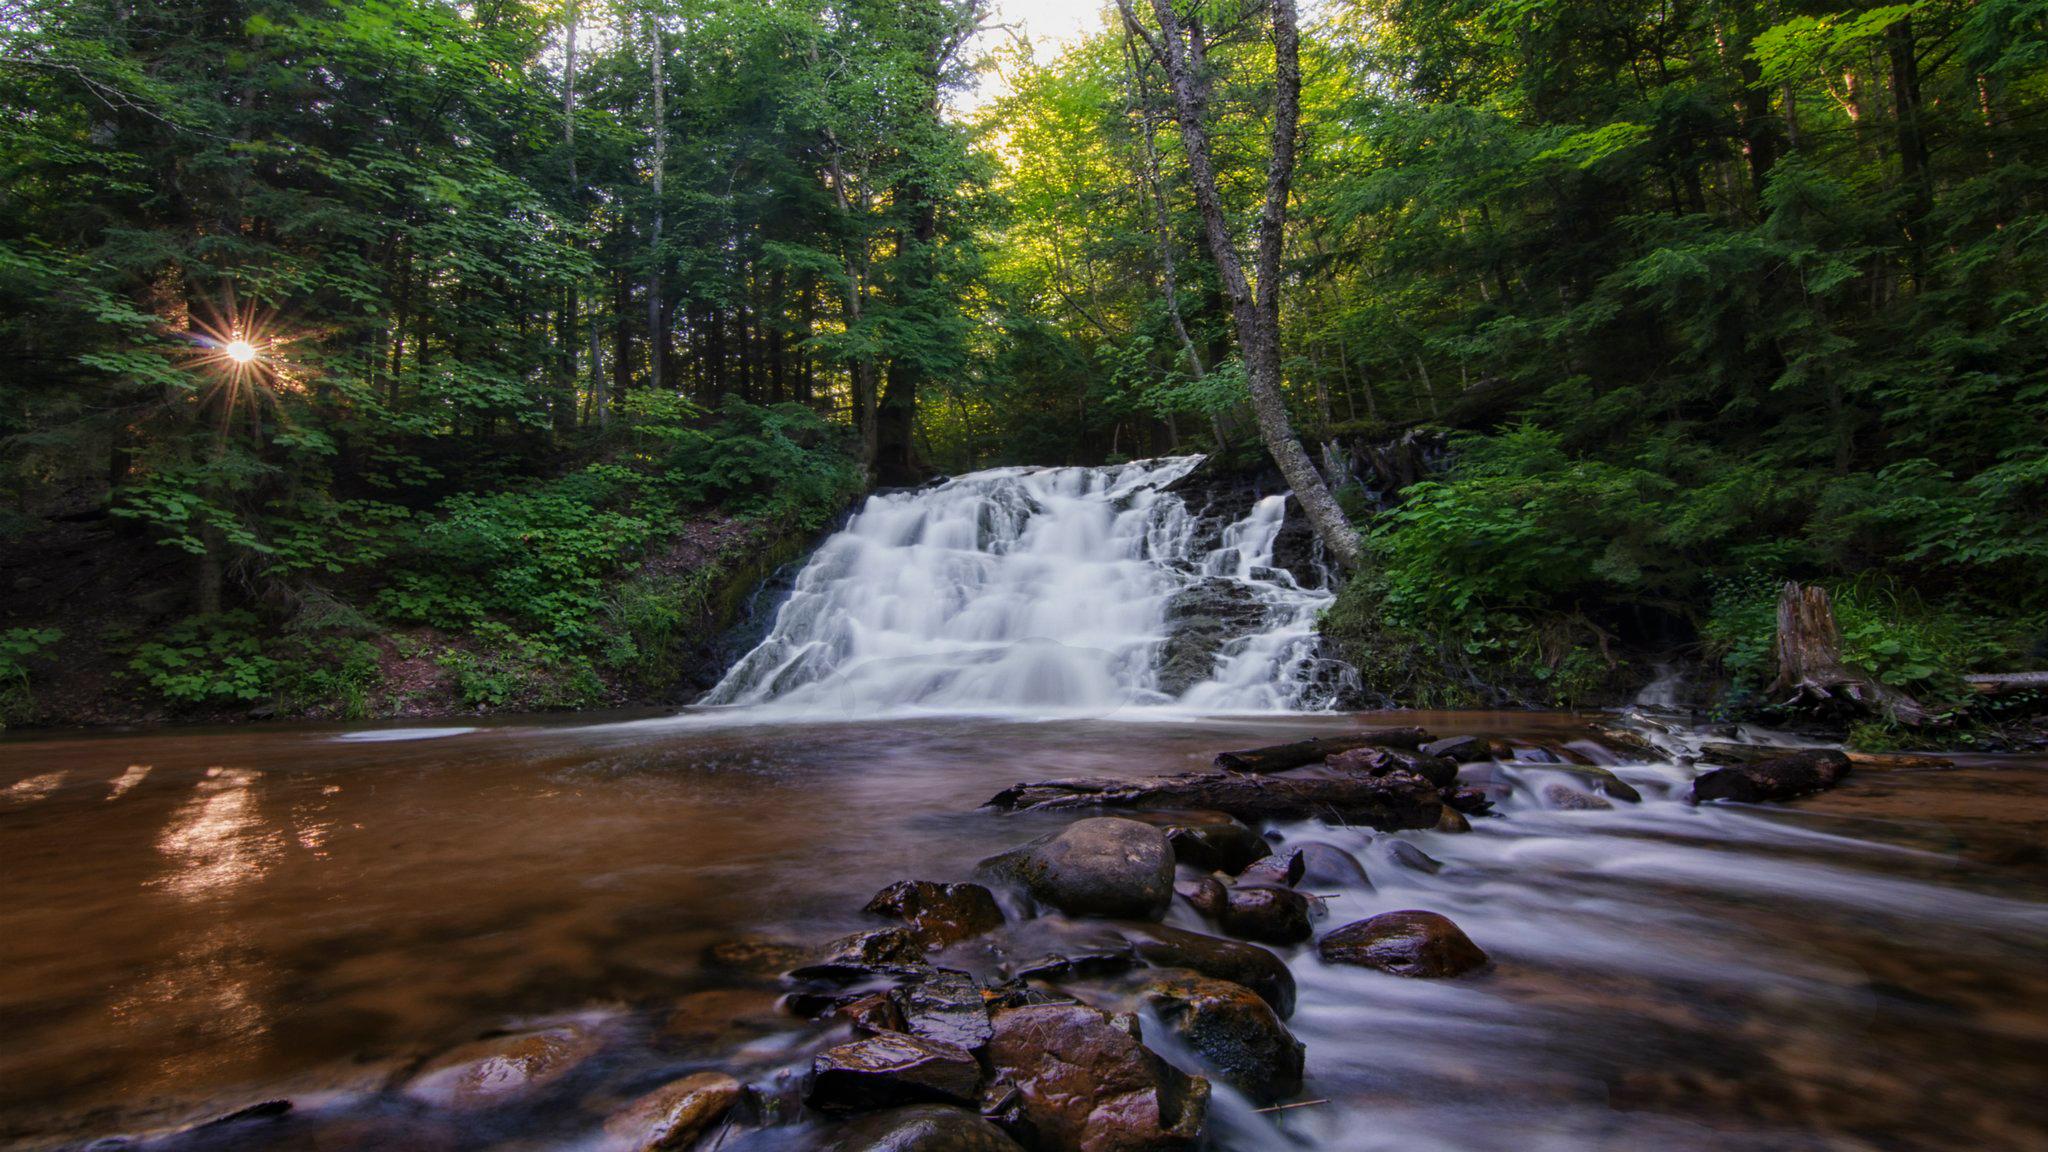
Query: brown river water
195, 921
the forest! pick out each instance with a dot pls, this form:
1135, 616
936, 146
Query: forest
373, 357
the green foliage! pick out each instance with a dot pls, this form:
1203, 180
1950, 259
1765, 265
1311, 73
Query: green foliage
206, 660
18, 647
776, 462
509, 670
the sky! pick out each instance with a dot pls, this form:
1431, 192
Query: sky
1049, 25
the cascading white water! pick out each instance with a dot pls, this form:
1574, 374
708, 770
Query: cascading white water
1029, 589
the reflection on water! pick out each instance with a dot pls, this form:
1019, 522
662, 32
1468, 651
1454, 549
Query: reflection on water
280, 913
218, 842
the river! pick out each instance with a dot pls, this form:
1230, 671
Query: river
199, 920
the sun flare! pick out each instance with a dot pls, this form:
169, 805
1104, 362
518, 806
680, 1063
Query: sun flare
240, 351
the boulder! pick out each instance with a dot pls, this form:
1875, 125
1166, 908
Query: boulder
1284, 871
1781, 778
1234, 1031
1328, 866
1412, 858
866, 955
1102, 866
1466, 749
938, 914
945, 1006
1083, 1082
889, 1070
1232, 960
1566, 798
1600, 780
1200, 620
1452, 820
1440, 771
873, 1013
1265, 913
1419, 944
1217, 843
673, 1115
503, 1068
1046, 948
922, 1128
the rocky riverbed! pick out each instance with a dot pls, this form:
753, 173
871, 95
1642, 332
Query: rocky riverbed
1344, 933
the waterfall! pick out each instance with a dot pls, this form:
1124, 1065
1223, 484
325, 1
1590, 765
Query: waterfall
1044, 590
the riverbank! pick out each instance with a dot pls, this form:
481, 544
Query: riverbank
207, 921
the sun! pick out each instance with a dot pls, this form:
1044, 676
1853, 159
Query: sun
240, 351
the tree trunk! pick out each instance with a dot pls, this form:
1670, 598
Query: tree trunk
657, 342
1183, 52
1809, 650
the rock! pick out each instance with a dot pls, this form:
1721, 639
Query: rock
1223, 844
1232, 1029
1048, 948
1420, 944
673, 1115
1328, 866
1452, 820
1398, 799
755, 956
873, 1013
1372, 761
1240, 963
889, 1070
864, 956
1207, 895
1461, 749
1566, 798
1600, 780
722, 1017
1267, 914
1410, 857
1782, 778
503, 1068
1086, 1084
1200, 620
1284, 871
922, 1128
1102, 866
945, 1006
1470, 801
939, 914
1281, 757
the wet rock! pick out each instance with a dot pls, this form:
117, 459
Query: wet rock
1200, 620
1240, 963
1048, 948
864, 956
1466, 749
1419, 944
1102, 866
1566, 798
1207, 895
1412, 858
1782, 778
890, 1070
1267, 914
939, 914
673, 1115
873, 1013
946, 1006
504, 1068
1470, 801
1600, 780
755, 956
1223, 844
1328, 866
1374, 761
1232, 1029
1282, 870
1084, 1082
722, 1017
1452, 820
922, 1128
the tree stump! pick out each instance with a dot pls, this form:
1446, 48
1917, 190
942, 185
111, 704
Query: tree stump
1810, 667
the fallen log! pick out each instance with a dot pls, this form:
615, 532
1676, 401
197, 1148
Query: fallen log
1394, 801
1723, 753
1783, 778
1281, 757
2000, 683
1810, 665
